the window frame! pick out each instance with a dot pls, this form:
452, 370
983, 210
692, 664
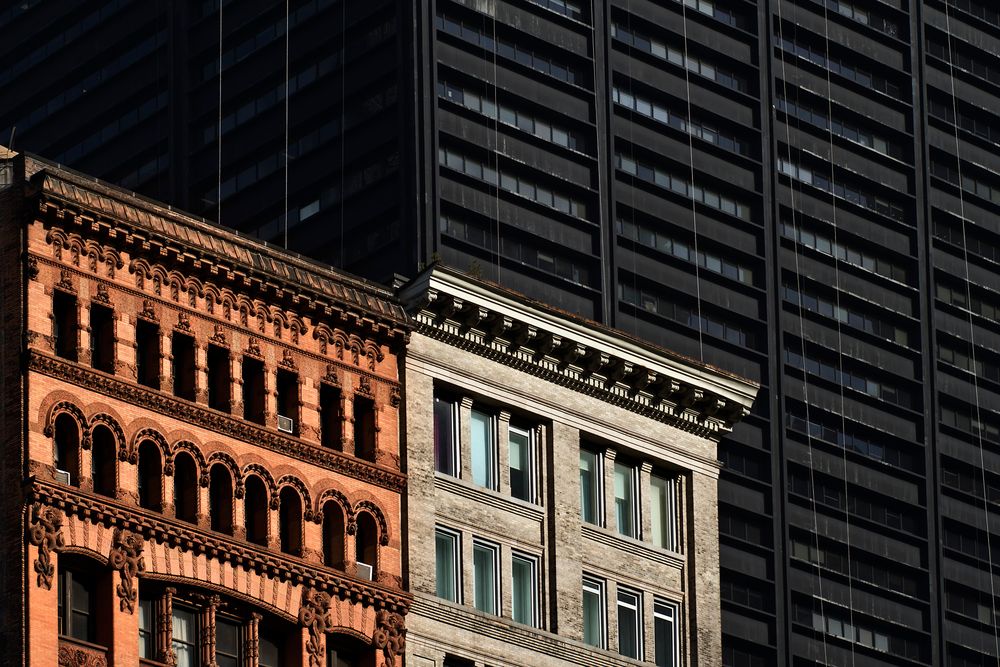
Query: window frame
454, 446
528, 464
671, 538
597, 506
596, 586
533, 565
673, 618
456, 562
493, 553
490, 454
633, 500
637, 625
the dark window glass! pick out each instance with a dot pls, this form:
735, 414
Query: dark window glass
219, 378
147, 353
102, 338
253, 390
65, 324
182, 350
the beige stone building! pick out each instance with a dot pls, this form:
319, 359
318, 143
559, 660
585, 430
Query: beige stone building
561, 505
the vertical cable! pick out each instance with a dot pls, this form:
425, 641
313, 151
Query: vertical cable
802, 343
972, 330
691, 187
287, 27
840, 346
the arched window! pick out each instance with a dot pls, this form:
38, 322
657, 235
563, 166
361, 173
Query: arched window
220, 499
366, 546
66, 448
150, 476
103, 455
185, 488
256, 510
290, 521
334, 529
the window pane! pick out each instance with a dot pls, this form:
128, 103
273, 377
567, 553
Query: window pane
482, 449
522, 590
664, 629
593, 613
227, 643
484, 582
628, 624
147, 631
588, 486
270, 655
663, 512
444, 437
520, 464
625, 499
445, 550
184, 637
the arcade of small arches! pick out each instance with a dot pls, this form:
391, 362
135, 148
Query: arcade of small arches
215, 493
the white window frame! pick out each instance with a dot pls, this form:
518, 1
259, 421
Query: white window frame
635, 606
529, 463
597, 586
671, 540
456, 554
633, 478
456, 449
492, 476
533, 563
494, 552
660, 608
598, 488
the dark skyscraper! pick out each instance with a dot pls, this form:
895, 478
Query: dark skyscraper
806, 191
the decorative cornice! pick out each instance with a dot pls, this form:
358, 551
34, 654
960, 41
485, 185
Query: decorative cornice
147, 527
148, 229
584, 356
212, 420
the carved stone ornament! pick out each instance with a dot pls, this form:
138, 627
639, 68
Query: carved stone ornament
219, 336
65, 282
287, 360
126, 557
314, 615
102, 293
32, 268
395, 397
331, 376
390, 635
148, 312
365, 386
183, 322
46, 534
76, 656
253, 347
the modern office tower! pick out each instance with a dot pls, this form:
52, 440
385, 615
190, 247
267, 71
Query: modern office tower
562, 486
200, 458
801, 192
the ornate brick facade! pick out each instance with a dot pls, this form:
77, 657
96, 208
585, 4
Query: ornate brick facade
206, 441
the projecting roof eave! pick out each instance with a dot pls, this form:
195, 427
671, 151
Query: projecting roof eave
203, 238
567, 349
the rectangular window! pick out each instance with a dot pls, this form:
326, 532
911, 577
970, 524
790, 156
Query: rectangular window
147, 353
364, 428
182, 351
483, 450
590, 487
270, 651
665, 631
524, 589
102, 338
65, 324
485, 564
626, 500
184, 640
445, 440
664, 515
147, 629
593, 612
629, 624
287, 386
253, 390
219, 378
522, 481
331, 433
446, 546
76, 605
227, 643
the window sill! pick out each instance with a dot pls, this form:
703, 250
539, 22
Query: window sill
486, 496
637, 547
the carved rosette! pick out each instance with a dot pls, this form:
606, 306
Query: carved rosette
46, 534
390, 635
314, 615
126, 557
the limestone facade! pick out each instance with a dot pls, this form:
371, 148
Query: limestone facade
201, 449
634, 577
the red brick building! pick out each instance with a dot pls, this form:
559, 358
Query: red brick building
200, 441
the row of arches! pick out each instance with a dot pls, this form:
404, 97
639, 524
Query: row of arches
215, 493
